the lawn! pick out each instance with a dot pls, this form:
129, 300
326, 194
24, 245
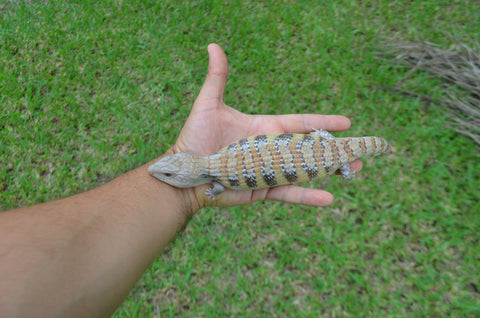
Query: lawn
92, 89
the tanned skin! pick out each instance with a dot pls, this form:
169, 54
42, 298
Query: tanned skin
80, 256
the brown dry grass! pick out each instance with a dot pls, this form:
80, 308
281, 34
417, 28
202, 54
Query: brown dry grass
458, 67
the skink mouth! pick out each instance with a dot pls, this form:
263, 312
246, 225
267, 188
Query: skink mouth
153, 170
155, 175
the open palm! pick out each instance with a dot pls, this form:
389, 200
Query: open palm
212, 125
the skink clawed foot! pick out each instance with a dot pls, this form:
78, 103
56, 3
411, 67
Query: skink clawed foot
215, 190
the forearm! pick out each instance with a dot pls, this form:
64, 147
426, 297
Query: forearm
80, 256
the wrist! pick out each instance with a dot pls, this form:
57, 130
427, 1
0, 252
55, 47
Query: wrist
186, 198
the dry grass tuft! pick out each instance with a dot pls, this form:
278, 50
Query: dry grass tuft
458, 65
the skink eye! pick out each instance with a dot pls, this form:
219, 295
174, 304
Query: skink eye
168, 175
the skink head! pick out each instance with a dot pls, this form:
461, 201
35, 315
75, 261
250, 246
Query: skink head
182, 170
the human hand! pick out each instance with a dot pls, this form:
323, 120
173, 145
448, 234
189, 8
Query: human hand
213, 125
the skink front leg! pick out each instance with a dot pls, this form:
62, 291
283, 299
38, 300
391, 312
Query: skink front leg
215, 190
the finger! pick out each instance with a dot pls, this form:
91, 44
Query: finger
299, 195
356, 165
304, 123
217, 74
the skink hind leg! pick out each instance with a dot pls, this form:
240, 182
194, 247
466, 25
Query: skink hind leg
215, 190
347, 174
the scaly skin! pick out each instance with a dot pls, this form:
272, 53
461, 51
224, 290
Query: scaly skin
266, 161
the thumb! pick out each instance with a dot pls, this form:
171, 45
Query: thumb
217, 74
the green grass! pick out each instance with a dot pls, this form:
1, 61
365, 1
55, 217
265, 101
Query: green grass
92, 89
